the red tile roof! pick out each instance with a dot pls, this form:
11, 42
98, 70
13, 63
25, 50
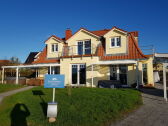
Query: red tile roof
54, 37
100, 32
42, 58
134, 51
4, 61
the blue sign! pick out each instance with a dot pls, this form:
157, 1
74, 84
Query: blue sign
54, 81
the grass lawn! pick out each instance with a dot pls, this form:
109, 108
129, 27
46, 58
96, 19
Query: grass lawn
84, 107
8, 87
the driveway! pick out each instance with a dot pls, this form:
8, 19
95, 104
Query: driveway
154, 112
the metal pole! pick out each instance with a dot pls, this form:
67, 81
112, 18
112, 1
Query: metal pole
17, 74
164, 82
53, 100
3, 75
53, 95
92, 75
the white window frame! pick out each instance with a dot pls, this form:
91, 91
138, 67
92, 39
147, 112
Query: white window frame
83, 41
55, 48
78, 76
115, 42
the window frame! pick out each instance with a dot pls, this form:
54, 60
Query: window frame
55, 47
83, 47
115, 42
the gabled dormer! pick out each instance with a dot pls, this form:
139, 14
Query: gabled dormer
83, 42
54, 46
116, 41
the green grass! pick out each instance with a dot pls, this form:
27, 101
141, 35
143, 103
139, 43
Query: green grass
8, 87
84, 107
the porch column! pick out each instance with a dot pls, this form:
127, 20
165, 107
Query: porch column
17, 75
92, 75
36, 72
137, 73
164, 81
118, 73
50, 69
3, 71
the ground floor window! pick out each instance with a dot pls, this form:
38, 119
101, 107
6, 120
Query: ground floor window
78, 74
54, 70
118, 72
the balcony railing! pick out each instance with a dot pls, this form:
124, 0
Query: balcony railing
148, 50
76, 50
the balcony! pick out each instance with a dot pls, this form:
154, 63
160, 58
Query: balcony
79, 50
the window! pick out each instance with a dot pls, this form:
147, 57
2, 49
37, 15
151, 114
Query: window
84, 47
116, 42
54, 47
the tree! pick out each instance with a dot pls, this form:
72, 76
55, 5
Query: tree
14, 60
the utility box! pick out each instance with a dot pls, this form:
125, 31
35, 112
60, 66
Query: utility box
52, 109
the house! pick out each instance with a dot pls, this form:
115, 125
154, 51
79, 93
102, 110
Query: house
86, 57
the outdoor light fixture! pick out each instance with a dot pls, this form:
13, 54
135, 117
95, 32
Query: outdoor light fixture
52, 110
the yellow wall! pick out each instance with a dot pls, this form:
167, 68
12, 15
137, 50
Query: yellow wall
42, 72
65, 68
80, 36
149, 63
115, 50
132, 72
54, 54
104, 72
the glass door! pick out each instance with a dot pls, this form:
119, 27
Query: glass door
78, 74
74, 74
113, 73
123, 74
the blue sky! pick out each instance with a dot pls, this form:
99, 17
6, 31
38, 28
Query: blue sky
26, 24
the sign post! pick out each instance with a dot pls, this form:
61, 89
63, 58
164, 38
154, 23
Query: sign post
53, 81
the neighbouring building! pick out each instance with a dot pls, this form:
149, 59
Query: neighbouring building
86, 57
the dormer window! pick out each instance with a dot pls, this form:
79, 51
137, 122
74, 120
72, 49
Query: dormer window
54, 48
115, 42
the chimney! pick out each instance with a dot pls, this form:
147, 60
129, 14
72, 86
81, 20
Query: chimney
68, 33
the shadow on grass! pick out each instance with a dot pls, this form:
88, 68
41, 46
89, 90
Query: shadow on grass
19, 114
43, 104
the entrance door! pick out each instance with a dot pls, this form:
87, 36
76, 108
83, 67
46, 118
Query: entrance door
113, 73
78, 74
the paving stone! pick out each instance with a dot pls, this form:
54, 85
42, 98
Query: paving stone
154, 111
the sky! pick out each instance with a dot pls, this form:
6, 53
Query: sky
26, 24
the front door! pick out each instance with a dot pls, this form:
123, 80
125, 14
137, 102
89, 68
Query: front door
78, 74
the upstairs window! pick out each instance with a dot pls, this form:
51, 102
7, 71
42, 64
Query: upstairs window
115, 42
84, 47
54, 48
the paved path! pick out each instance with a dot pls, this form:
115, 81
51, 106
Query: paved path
154, 112
8, 93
